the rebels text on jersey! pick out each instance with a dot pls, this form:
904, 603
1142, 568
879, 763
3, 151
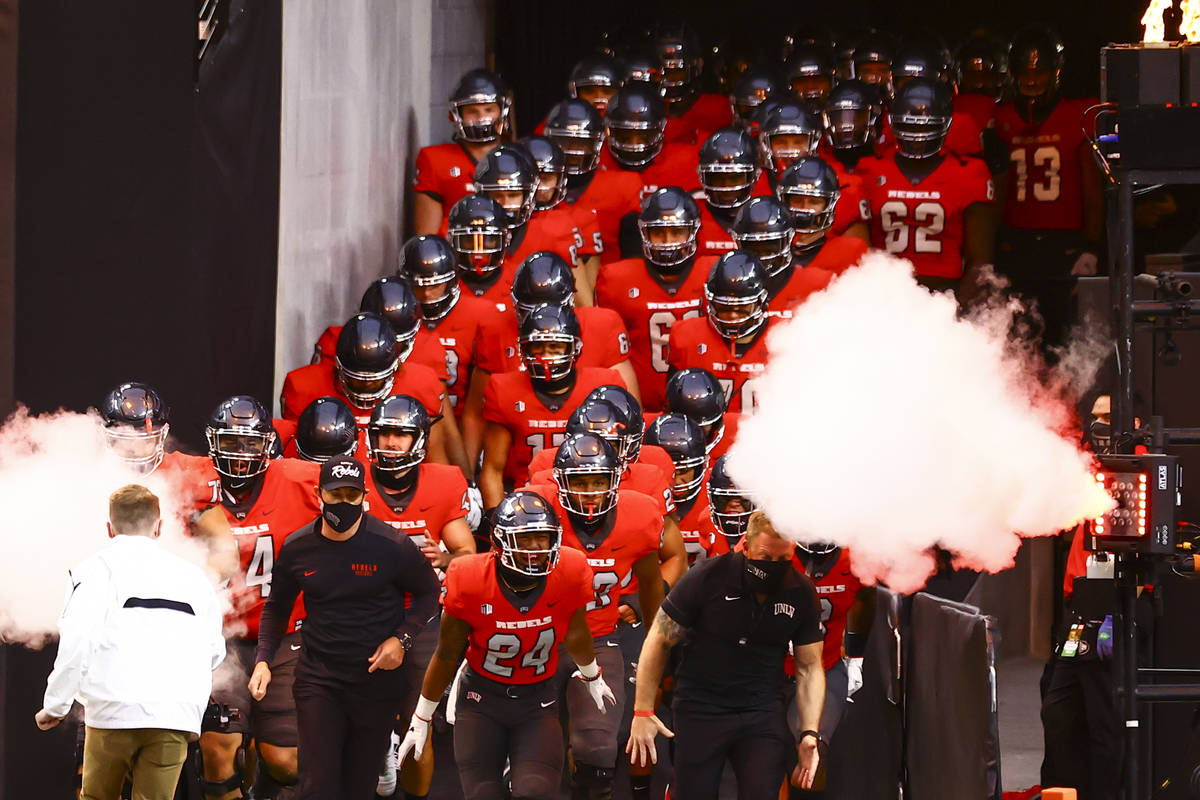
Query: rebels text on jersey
605, 343
305, 384
439, 499
836, 591
506, 645
694, 343
714, 238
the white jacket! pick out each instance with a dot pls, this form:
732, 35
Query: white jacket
140, 635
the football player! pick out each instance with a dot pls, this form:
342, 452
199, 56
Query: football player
480, 108
852, 123
478, 231
619, 532
552, 190
525, 412
810, 71
686, 443
509, 610
263, 501
982, 70
595, 78
729, 505
692, 115
730, 340
757, 86
655, 291
729, 174
326, 429
697, 394
929, 205
430, 504
873, 62
635, 125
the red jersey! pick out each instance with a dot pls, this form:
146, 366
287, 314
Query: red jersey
499, 294
426, 350
644, 477
445, 172
605, 343
727, 437
962, 138
675, 165
694, 343
186, 479
440, 498
285, 502
924, 222
506, 644
648, 310
634, 530
609, 195
979, 107
707, 114
1045, 174
587, 241
305, 384
714, 238
700, 539
509, 400
852, 204
554, 232
457, 332
837, 591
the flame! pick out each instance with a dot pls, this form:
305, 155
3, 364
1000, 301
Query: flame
1190, 27
1152, 20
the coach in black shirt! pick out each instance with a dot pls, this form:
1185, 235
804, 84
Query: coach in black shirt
736, 616
355, 572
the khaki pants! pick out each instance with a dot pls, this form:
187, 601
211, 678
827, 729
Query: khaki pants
150, 757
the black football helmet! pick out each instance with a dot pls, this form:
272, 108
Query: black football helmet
919, 60
582, 456
427, 262
810, 71
240, 438
729, 506
758, 85
395, 301
642, 66
697, 394
669, 224
480, 87
135, 421
326, 429
629, 443
635, 123
478, 231
365, 359
400, 415
509, 176
607, 420
981, 68
789, 129
1035, 64
873, 62
678, 52
543, 278
520, 516
728, 167
920, 117
764, 227
552, 171
810, 190
852, 114
684, 441
550, 325
578, 130
735, 295
596, 78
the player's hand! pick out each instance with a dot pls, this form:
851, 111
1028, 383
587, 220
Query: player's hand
45, 720
854, 676
437, 557
1086, 265
627, 614
259, 680
641, 749
389, 655
414, 739
598, 689
807, 761
475, 512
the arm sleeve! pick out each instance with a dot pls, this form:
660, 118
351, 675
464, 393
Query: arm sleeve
415, 577
808, 614
686, 598
278, 607
83, 612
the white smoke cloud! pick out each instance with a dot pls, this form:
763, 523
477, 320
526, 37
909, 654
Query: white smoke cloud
56, 474
887, 424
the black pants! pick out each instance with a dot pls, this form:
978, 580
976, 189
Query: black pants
496, 722
344, 734
756, 744
1082, 733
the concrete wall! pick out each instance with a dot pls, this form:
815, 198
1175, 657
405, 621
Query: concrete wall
364, 87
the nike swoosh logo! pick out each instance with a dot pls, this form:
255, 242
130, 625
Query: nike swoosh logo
548, 703
550, 604
295, 646
612, 644
310, 572
735, 597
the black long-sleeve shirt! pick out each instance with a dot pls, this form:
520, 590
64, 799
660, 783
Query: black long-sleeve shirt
354, 596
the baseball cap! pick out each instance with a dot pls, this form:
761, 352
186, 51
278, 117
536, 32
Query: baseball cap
343, 471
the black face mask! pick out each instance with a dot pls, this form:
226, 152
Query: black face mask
763, 576
341, 516
1099, 435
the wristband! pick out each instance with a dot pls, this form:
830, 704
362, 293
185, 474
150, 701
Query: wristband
425, 708
813, 734
590, 671
643, 713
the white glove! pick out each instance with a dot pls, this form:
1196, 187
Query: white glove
854, 676
418, 731
1086, 264
596, 686
475, 512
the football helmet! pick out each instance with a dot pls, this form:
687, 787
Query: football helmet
596, 78
365, 359
981, 68
809, 188
873, 62
920, 117
764, 227
635, 124
810, 71
642, 66
509, 176
1035, 64
629, 445
426, 263
758, 85
480, 87
580, 457
552, 171
608, 420
543, 278
478, 231
788, 130
578, 130
135, 425
520, 516
852, 114
678, 52
735, 295
728, 168
685, 442
398, 415
917, 60
669, 225
544, 326
326, 429
395, 301
697, 394
729, 507
240, 439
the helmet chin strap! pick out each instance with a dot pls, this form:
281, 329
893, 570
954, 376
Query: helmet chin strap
396, 482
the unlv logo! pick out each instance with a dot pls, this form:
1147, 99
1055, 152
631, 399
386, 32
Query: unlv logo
346, 471
455, 172
519, 406
634, 292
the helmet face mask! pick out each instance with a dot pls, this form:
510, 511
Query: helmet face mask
633, 143
141, 448
764, 228
437, 294
919, 136
774, 250
735, 296
581, 151
667, 243
598, 94
396, 448
727, 185
736, 317
730, 509
480, 107
240, 453
587, 491
480, 249
849, 127
549, 356
427, 264
526, 534
365, 389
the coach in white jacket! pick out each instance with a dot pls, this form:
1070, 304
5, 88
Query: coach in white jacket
139, 637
